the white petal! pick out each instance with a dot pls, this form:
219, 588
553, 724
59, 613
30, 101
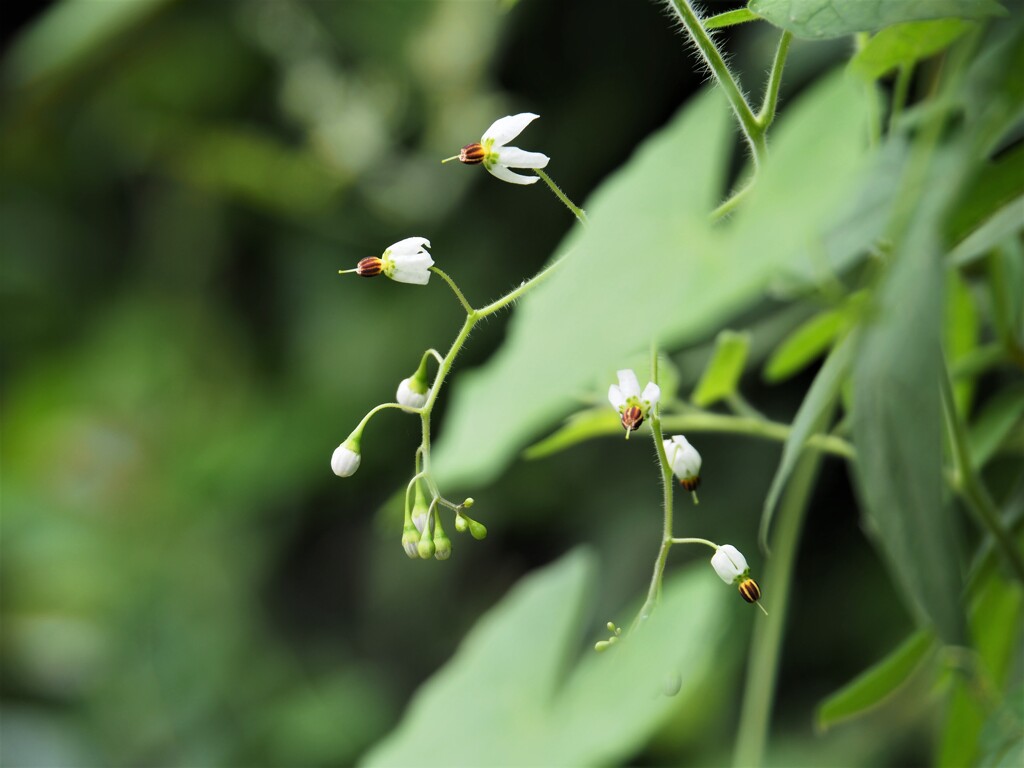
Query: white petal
505, 129
615, 397
513, 157
651, 393
505, 174
729, 563
411, 275
407, 246
345, 461
628, 383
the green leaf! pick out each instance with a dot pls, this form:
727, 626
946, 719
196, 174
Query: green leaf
804, 345
904, 44
695, 276
995, 422
873, 686
811, 417
960, 336
834, 18
722, 374
71, 30
582, 426
1003, 224
897, 415
993, 187
513, 694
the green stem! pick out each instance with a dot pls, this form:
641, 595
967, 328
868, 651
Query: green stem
730, 204
874, 115
374, 411
771, 430
971, 488
729, 19
693, 540
576, 210
762, 665
529, 285
899, 94
752, 131
771, 91
455, 289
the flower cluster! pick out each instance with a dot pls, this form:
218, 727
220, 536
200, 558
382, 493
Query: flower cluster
409, 261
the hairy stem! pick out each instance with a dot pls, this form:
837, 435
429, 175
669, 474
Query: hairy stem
455, 289
576, 210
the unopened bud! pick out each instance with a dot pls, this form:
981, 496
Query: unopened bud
410, 538
461, 524
477, 530
425, 548
468, 503
442, 547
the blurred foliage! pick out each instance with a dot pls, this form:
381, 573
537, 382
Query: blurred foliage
183, 582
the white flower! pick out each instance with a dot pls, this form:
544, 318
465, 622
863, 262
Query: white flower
730, 564
497, 158
408, 395
407, 261
632, 404
346, 458
684, 460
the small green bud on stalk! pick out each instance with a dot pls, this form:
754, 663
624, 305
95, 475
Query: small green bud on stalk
425, 548
477, 530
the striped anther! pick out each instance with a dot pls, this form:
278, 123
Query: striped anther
749, 591
471, 154
371, 266
632, 418
691, 484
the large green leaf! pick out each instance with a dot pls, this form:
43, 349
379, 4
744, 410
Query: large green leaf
514, 695
904, 44
650, 265
897, 413
812, 416
876, 684
722, 375
835, 18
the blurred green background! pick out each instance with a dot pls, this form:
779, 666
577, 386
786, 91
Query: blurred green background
184, 581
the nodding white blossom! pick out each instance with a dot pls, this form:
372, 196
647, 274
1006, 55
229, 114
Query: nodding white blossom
729, 563
407, 261
497, 158
412, 393
346, 458
684, 460
632, 404
731, 567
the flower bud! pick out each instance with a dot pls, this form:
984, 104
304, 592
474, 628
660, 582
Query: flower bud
425, 548
346, 458
410, 540
477, 530
684, 460
461, 524
442, 546
468, 503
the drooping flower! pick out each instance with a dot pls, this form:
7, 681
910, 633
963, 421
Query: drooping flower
632, 404
407, 261
497, 158
346, 458
684, 460
731, 566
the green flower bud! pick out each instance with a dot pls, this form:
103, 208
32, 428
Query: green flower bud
442, 547
468, 503
425, 548
461, 524
477, 530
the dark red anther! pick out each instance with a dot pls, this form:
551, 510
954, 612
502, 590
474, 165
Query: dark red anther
371, 266
472, 154
749, 591
632, 418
